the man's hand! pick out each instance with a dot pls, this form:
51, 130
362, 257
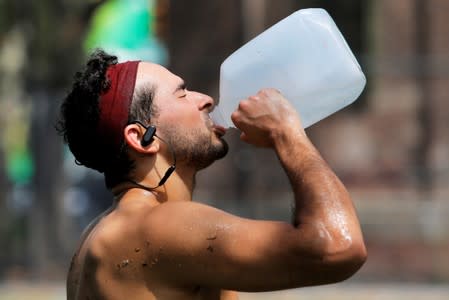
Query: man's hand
264, 117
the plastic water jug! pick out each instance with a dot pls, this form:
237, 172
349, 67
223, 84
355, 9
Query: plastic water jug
305, 57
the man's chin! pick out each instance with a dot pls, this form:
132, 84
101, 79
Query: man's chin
217, 151
224, 148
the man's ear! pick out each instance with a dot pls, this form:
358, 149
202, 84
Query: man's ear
133, 134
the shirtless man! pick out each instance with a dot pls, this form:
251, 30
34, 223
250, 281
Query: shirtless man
141, 126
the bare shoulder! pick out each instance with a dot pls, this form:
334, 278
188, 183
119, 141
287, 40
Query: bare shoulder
111, 251
185, 210
78, 258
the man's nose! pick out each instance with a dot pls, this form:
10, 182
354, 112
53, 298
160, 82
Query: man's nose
204, 101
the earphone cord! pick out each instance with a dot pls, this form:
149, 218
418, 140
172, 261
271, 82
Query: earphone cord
167, 174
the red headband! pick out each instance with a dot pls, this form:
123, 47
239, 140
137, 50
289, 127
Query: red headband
114, 104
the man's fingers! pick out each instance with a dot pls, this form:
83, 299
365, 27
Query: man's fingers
244, 105
243, 137
236, 118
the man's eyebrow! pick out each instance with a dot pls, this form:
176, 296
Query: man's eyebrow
180, 87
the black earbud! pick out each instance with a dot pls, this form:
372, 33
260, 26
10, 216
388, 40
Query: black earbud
148, 136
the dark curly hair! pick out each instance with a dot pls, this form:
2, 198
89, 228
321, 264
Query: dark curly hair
80, 114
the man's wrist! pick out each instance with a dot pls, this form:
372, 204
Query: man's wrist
290, 136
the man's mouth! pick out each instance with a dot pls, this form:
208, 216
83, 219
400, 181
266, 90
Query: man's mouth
219, 130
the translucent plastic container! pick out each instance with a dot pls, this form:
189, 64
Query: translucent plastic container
305, 57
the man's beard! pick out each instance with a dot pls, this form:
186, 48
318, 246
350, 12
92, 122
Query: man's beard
194, 147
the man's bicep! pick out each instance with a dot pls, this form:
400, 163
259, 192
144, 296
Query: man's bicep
204, 246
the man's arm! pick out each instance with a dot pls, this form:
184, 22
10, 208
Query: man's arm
203, 246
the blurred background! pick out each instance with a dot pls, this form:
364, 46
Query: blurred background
390, 148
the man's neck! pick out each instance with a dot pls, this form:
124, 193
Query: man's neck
178, 187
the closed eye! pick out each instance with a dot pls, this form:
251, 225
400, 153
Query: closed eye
184, 95
181, 87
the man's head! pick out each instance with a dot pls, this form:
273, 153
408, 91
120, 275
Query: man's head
158, 98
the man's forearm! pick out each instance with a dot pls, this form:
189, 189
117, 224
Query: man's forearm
323, 207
